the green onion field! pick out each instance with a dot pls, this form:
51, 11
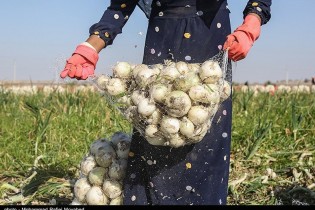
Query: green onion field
43, 137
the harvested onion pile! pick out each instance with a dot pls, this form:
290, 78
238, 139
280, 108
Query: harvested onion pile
102, 171
170, 104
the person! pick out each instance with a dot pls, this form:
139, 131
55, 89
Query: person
179, 30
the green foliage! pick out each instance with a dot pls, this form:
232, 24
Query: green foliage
44, 137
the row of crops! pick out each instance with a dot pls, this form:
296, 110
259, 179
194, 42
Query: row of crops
45, 135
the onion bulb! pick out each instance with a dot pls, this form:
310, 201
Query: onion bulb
145, 77
105, 155
169, 125
176, 140
119, 136
138, 68
122, 70
170, 73
151, 130
115, 86
81, 187
131, 113
76, 202
124, 100
226, 90
97, 144
156, 141
193, 67
199, 132
87, 164
185, 82
154, 118
137, 96
121, 143
102, 81
95, 196
210, 72
214, 93
97, 175
186, 127
112, 188
182, 67
117, 201
177, 103
146, 107
198, 115
158, 92
117, 169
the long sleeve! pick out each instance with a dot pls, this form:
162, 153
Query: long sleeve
259, 7
113, 20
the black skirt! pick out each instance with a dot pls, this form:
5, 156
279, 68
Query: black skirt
194, 174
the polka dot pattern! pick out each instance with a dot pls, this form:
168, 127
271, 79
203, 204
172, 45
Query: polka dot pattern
178, 176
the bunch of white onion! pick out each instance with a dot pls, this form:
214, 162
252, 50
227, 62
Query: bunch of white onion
170, 104
102, 171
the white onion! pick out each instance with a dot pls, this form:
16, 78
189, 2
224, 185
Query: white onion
105, 155
102, 81
199, 132
156, 141
117, 169
97, 144
158, 66
122, 70
226, 90
177, 103
169, 125
137, 96
112, 188
131, 113
210, 72
169, 73
125, 100
151, 130
158, 92
119, 136
81, 187
186, 127
146, 107
97, 175
176, 140
95, 196
193, 67
115, 86
198, 115
87, 164
154, 118
145, 77
117, 201
75, 201
185, 82
182, 67
122, 149
198, 93
214, 93
138, 68
121, 143
207, 93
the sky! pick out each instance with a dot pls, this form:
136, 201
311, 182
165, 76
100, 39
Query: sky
38, 36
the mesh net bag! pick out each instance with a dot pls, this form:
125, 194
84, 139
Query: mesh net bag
171, 103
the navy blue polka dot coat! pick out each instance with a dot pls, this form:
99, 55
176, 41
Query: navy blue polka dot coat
191, 31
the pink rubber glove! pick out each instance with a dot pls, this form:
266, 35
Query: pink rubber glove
81, 64
243, 38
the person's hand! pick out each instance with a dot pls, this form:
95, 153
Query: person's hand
242, 39
81, 64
